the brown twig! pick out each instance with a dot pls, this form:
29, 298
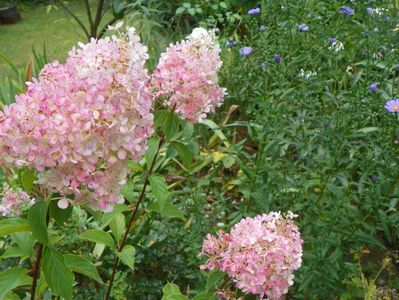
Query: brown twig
36, 271
132, 218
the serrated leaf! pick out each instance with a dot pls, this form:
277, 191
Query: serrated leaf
8, 226
58, 214
12, 278
127, 256
82, 266
159, 189
205, 296
170, 125
172, 292
117, 226
28, 178
59, 278
168, 210
152, 148
184, 153
108, 217
98, 236
37, 215
213, 280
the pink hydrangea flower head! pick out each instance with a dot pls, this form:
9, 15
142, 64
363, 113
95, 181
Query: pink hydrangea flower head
80, 122
187, 76
260, 254
13, 201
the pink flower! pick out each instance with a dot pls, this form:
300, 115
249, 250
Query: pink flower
187, 76
80, 122
260, 254
13, 202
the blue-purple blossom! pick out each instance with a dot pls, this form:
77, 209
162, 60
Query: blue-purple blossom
303, 27
373, 87
254, 11
277, 58
370, 10
245, 51
374, 178
366, 34
346, 10
262, 27
332, 40
392, 106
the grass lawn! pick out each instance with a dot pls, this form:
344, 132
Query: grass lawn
55, 29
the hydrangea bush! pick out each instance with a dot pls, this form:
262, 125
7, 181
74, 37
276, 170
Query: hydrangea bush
84, 131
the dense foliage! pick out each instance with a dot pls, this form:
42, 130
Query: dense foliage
303, 128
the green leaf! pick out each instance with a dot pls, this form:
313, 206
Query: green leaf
205, 296
59, 278
12, 278
172, 292
180, 10
213, 280
28, 178
168, 210
367, 130
152, 148
184, 153
37, 215
127, 256
82, 266
8, 226
108, 217
98, 236
170, 124
127, 191
58, 214
159, 189
118, 225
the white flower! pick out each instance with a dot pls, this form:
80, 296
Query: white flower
307, 74
336, 46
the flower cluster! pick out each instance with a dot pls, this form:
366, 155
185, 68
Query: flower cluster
80, 122
187, 75
260, 254
14, 202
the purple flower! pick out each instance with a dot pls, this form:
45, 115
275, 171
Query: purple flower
254, 11
262, 27
332, 40
392, 106
373, 87
346, 10
366, 34
230, 43
303, 27
370, 10
277, 58
374, 178
245, 51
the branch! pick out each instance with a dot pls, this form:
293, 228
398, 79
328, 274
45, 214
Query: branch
132, 218
89, 16
98, 14
75, 18
36, 271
